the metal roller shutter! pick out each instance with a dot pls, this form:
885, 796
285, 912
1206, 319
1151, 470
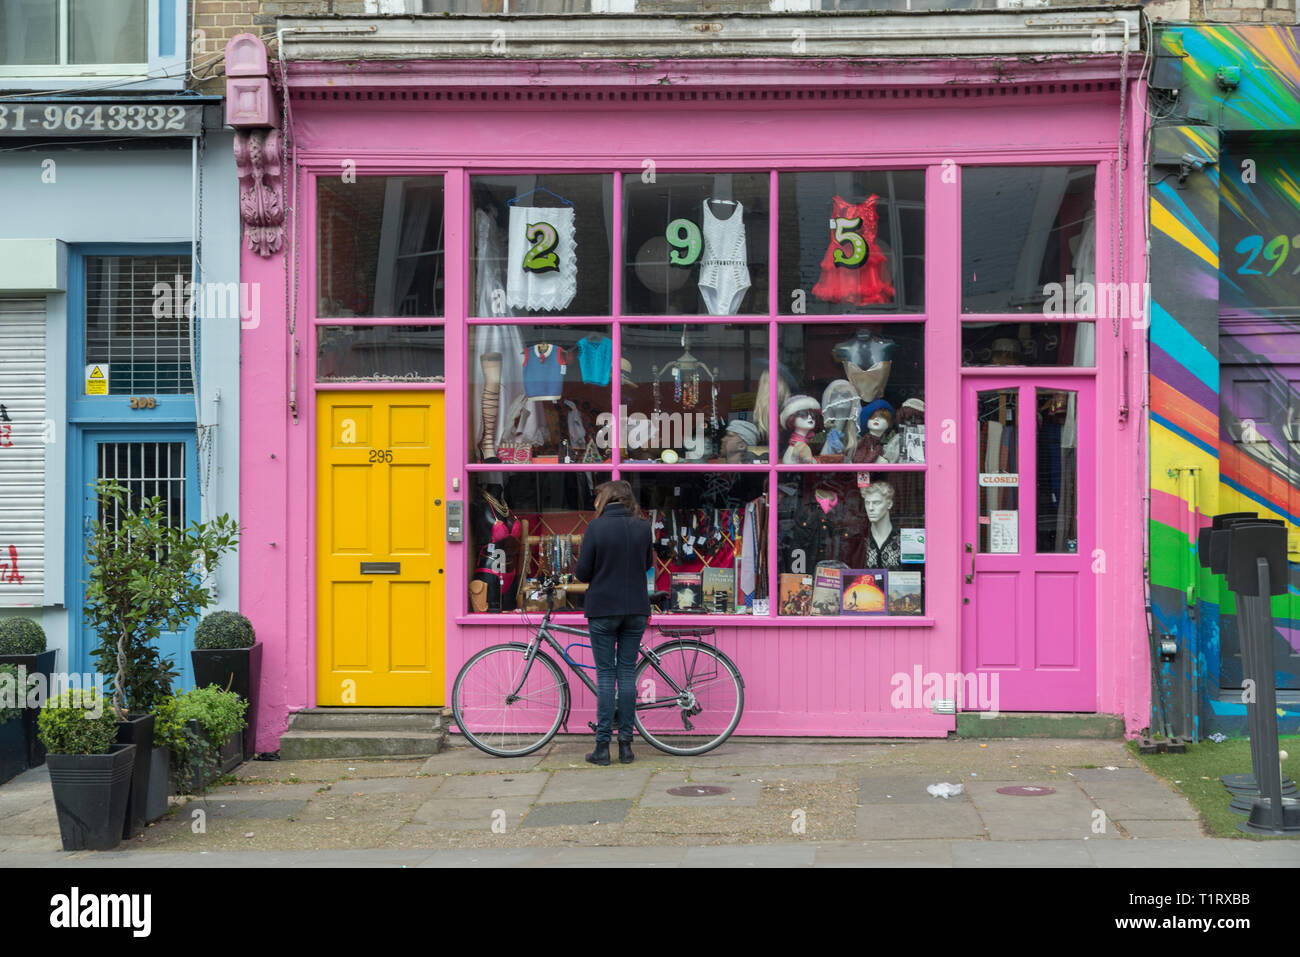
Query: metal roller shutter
22, 452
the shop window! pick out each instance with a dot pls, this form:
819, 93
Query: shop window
696, 244
1259, 261
1028, 344
380, 246
999, 479
386, 353
710, 539
849, 392
1027, 231
540, 245
689, 391
34, 32
139, 326
852, 242
540, 393
851, 544
1057, 466
521, 528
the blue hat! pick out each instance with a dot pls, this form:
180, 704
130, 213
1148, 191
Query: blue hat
870, 409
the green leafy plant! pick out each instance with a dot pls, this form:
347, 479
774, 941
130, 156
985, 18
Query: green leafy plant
21, 636
225, 629
196, 747
77, 722
146, 577
11, 697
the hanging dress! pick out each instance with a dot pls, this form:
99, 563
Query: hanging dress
724, 265
865, 282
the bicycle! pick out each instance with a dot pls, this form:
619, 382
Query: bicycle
506, 691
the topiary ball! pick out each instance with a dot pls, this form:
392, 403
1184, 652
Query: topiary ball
21, 636
225, 629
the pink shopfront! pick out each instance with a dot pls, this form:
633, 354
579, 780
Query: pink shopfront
833, 320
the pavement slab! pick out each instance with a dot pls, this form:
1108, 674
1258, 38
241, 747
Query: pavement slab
577, 813
885, 854
1160, 829
1046, 853
282, 810
740, 791
777, 855
332, 769
1066, 813
516, 784
461, 758
465, 814
1134, 794
598, 784
951, 818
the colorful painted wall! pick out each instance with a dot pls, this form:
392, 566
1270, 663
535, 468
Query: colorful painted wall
1224, 349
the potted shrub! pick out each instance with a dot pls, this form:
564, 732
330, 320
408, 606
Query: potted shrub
89, 771
146, 577
22, 643
201, 728
13, 741
227, 654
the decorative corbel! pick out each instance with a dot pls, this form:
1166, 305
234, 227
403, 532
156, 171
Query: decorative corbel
259, 145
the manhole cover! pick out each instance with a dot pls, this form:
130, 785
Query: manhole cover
1026, 791
698, 791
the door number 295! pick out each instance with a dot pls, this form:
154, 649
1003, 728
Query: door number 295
383, 456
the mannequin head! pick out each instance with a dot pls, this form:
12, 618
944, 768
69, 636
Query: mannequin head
876, 418
801, 414
878, 497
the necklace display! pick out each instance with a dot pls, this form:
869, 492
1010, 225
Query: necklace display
691, 392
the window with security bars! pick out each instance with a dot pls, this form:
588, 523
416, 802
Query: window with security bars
138, 323
145, 470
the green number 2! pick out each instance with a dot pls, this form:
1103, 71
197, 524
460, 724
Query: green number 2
685, 235
541, 257
844, 233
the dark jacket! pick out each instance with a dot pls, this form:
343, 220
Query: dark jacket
615, 554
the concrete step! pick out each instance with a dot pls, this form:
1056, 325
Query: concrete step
369, 719
1039, 724
311, 745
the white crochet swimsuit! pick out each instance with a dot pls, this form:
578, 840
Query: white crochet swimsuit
724, 266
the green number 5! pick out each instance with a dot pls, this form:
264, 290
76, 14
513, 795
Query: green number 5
844, 233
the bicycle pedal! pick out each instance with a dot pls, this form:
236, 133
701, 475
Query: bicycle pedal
592, 725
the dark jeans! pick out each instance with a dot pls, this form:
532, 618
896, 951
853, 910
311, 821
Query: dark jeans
617, 635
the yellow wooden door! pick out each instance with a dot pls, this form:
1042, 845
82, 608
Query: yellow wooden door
380, 549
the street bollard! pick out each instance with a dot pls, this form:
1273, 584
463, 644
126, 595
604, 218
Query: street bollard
1256, 571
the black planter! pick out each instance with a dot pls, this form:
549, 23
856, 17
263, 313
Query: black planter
159, 784
138, 730
13, 749
42, 664
230, 757
236, 669
90, 796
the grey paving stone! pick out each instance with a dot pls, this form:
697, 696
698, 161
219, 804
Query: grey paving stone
467, 814
265, 810
578, 812
39, 820
484, 857
466, 757
1163, 853
885, 854
740, 753
754, 855
741, 791
774, 775
1162, 829
17, 843
269, 792
658, 857
1067, 813
598, 784
1133, 794
950, 819
1046, 853
520, 784
420, 785
874, 788
1275, 852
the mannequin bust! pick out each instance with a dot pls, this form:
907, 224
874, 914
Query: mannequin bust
800, 415
884, 543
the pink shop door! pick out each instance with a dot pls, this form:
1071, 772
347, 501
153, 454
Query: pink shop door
1028, 518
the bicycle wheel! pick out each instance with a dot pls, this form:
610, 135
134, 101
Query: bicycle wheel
500, 720
691, 701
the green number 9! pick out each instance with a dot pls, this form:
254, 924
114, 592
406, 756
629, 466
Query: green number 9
685, 235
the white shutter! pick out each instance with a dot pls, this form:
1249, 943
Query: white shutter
22, 452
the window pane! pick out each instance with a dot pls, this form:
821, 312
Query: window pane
696, 243
1259, 229
138, 323
852, 544
1025, 228
145, 470
1058, 471
540, 393
860, 388
523, 527
107, 31
29, 32
998, 470
710, 539
685, 387
541, 245
852, 242
1028, 343
380, 246
379, 353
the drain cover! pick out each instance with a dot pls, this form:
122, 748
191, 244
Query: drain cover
698, 790
1027, 791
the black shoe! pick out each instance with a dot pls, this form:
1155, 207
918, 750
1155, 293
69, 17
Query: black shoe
625, 755
600, 755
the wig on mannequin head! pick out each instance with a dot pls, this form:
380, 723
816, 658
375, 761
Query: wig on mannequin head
761, 411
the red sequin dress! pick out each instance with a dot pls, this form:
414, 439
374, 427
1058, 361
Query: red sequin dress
866, 283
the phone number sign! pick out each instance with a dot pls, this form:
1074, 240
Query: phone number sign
97, 117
